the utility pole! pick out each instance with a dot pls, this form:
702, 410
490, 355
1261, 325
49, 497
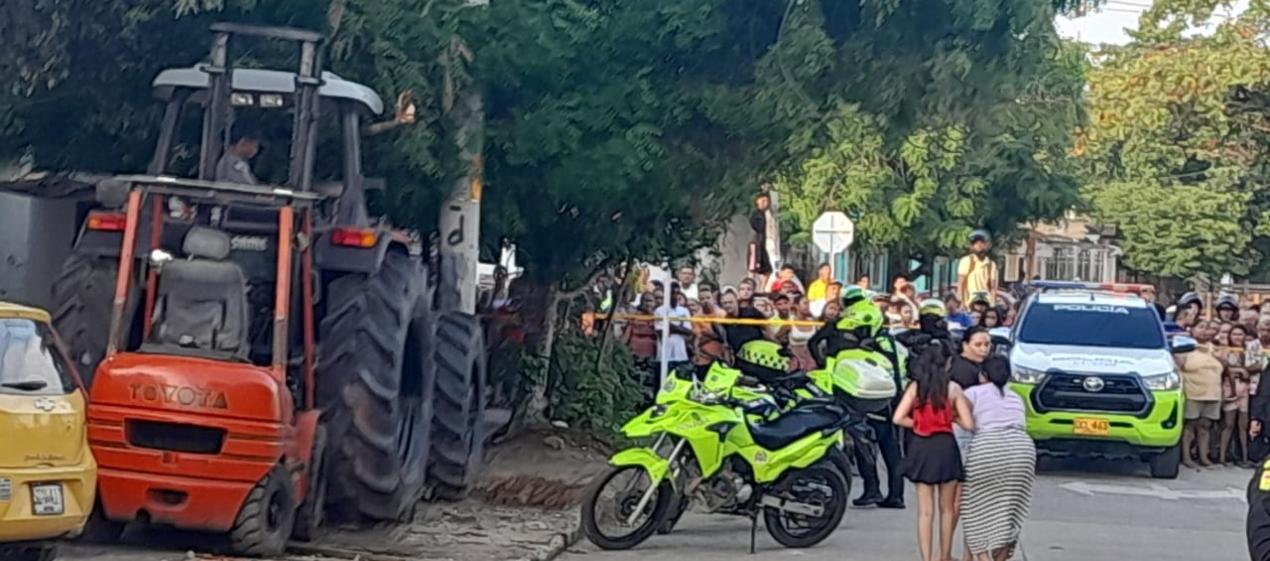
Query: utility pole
460, 219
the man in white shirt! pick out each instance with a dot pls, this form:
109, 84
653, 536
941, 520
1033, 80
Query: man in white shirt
674, 347
688, 281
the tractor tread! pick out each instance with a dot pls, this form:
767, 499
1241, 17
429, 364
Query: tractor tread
458, 429
360, 389
82, 296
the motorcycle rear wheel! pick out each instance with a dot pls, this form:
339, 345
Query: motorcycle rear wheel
809, 485
626, 499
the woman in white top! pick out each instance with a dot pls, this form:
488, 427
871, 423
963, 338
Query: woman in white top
799, 335
1000, 466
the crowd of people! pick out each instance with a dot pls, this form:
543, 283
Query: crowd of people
785, 296
953, 424
1225, 403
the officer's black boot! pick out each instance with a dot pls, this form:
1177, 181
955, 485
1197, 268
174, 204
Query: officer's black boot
866, 461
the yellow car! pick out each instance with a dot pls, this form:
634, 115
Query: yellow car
48, 479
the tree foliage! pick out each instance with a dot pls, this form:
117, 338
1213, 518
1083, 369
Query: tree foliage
1175, 151
953, 116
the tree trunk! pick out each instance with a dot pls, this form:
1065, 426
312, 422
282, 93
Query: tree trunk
539, 302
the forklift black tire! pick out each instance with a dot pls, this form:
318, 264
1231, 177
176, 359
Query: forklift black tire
83, 294
101, 530
309, 517
266, 518
28, 551
458, 428
374, 389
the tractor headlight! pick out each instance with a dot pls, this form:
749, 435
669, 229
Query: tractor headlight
270, 101
1162, 382
238, 99
1025, 375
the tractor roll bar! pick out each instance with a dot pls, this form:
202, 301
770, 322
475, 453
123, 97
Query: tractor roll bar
220, 190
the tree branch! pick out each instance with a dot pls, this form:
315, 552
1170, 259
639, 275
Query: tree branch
586, 284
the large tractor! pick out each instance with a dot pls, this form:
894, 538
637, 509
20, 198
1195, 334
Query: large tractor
261, 350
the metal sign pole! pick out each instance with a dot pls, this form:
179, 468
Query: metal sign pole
667, 301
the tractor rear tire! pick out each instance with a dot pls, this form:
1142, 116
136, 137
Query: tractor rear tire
83, 294
374, 387
458, 441
266, 518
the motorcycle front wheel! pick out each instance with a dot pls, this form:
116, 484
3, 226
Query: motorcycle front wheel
817, 486
610, 502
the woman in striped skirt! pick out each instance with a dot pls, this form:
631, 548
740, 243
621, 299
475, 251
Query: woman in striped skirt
1000, 467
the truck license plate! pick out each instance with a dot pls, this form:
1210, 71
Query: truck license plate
1091, 427
46, 499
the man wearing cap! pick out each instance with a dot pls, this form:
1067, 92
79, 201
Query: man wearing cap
977, 272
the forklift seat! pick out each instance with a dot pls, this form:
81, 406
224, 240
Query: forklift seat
202, 300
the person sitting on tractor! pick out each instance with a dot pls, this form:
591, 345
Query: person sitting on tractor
235, 164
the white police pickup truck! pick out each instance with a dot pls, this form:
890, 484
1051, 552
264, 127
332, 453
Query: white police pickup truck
1096, 371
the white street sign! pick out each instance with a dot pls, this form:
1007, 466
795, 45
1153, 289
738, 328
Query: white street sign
833, 232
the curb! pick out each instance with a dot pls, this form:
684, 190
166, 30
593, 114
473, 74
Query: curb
558, 544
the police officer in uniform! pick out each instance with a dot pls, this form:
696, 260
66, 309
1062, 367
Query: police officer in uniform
1258, 526
861, 327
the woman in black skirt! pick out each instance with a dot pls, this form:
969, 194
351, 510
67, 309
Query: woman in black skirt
930, 406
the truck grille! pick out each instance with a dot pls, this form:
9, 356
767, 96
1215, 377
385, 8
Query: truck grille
175, 437
1066, 391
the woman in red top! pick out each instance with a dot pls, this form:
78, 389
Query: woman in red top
931, 404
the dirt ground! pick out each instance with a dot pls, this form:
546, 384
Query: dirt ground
524, 508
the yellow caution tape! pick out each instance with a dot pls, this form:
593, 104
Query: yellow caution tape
725, 321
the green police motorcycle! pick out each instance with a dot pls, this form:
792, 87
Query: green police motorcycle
730, 448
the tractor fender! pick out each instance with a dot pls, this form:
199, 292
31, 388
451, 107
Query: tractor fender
344, 259
647, 458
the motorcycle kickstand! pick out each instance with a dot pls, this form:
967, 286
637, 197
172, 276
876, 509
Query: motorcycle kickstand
753, 530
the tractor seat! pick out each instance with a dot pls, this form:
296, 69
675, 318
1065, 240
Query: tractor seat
795, 424
202, 300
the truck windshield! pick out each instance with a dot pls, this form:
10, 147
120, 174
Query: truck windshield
1092, 325
30, 364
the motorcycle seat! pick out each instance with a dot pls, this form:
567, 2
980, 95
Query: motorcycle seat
795, 424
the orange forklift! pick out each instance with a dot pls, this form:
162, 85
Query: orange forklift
272, 349
188, 429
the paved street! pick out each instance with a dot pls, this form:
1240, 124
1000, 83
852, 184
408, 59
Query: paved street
1086, 511
1083, 510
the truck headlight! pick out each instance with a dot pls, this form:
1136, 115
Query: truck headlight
1025, 375
1166, 381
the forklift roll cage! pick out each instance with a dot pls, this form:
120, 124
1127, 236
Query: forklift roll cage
285, 201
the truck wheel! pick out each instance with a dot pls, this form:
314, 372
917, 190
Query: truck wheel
28, 552
266, 518
82, 296
458, 443
1166, 464
308, 518
374, 388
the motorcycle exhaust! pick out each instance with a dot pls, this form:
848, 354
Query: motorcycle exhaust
792, 507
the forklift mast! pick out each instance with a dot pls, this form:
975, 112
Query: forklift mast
217, 116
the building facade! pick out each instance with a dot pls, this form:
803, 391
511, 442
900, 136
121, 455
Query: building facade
1074, 248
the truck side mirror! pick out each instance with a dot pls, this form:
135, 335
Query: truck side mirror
1001, 336
1182, 344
